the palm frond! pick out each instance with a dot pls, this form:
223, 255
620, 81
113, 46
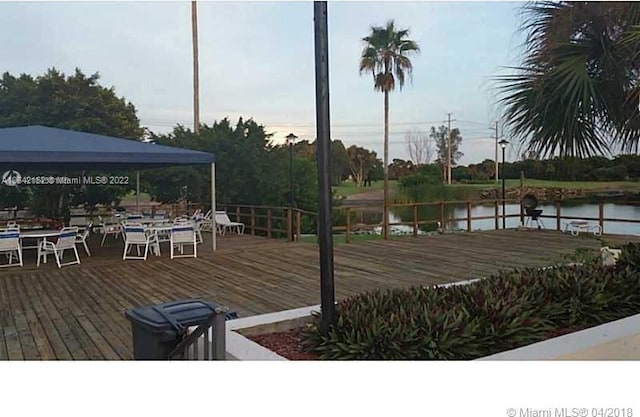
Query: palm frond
386, 56
572, 95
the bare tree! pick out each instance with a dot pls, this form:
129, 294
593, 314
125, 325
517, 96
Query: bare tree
419, 147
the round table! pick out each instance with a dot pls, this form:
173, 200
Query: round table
40, 235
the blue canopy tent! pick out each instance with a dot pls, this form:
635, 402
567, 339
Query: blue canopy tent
43, 147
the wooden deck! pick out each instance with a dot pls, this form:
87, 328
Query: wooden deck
77, 312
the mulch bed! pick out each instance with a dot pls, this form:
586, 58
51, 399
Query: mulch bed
286, 344
289, 344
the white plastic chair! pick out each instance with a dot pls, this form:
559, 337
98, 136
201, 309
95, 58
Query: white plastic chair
183, 234
78, 221
160, 214
10, 246
113, 229
66, 241
206, 224
135, 235
223, 223
197, 228
83, 234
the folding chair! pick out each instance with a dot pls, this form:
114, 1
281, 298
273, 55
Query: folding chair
66, 241
83, 234
135, 235
10, 246
183, 234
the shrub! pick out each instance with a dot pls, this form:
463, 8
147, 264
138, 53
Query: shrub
630, 257
417, 180
502, 312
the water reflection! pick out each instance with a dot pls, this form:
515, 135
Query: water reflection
611, 210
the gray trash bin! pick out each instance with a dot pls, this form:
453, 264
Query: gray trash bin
157, 329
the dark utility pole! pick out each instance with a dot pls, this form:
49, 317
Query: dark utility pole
325, 229
290, 140
503, 144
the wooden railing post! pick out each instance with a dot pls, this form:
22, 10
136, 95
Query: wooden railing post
415, 220
496, 214
469, 216
298, 225
347, 238
601, 217
558, 225
253, 221
238, 214
289, 224
269, 223
444, 227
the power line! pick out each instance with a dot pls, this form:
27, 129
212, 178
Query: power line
487, 139
160, 122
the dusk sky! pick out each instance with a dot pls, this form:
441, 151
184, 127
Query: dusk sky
256, 60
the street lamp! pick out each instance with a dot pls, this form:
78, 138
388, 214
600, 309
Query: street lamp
290, 140
503, 144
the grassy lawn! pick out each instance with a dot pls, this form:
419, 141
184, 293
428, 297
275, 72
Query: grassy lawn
585, 185
349, 187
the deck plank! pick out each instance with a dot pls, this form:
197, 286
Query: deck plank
9, 328
44, 310
77, 312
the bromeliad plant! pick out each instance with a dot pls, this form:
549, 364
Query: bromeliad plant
502, 312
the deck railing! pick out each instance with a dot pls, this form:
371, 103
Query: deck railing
205, 342
271, 221
284, 222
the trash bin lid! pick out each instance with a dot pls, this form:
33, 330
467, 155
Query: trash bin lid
161, 317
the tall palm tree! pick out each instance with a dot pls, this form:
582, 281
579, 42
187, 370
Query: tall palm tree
576, 92
385, 55
196, 78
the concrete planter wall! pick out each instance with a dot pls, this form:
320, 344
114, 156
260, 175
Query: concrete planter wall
240, 347
617, 340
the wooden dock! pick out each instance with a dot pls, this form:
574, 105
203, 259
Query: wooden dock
77, 312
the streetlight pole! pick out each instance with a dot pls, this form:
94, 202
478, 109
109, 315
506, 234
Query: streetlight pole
290, 140
503, 144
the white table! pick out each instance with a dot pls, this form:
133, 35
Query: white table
37, 234
40, 235
160, 228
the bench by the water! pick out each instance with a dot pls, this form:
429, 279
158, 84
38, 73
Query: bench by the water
577, 226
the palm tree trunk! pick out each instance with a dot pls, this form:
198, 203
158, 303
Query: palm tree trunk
385, 211
196, 81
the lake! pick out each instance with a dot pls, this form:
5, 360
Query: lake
611, 210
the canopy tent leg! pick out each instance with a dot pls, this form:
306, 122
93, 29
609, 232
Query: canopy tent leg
137, 191
213, 205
